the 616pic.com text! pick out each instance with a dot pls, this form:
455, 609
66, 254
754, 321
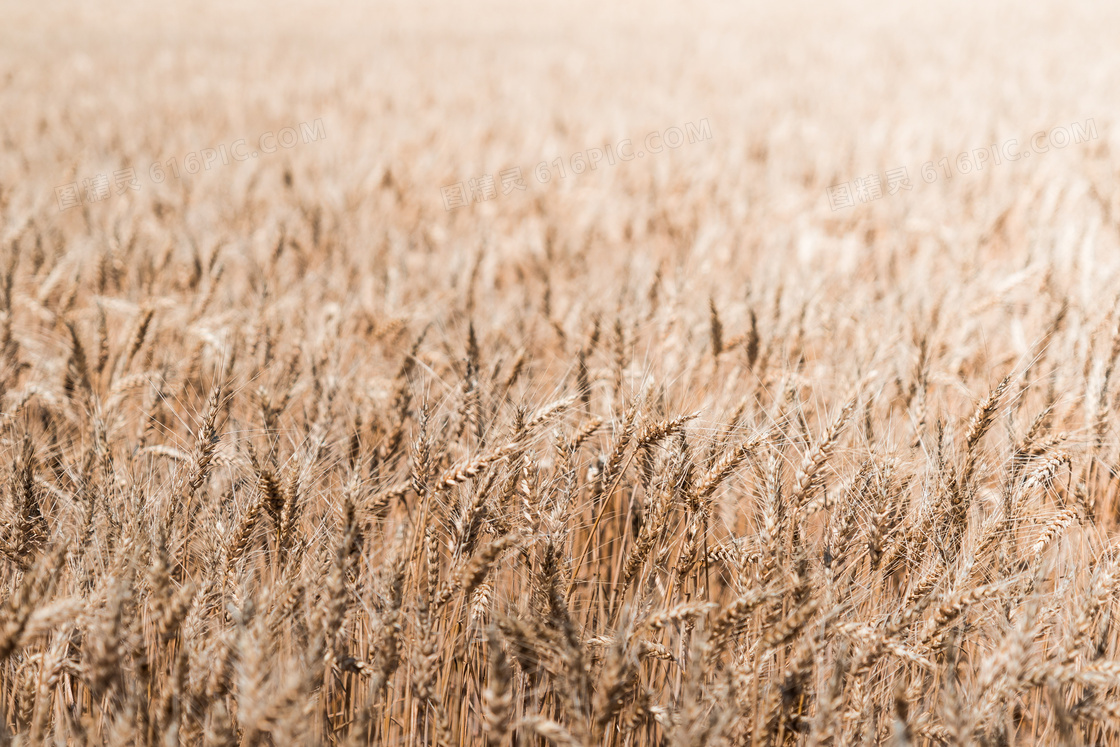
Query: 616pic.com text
97, 189
870, 188
483, 188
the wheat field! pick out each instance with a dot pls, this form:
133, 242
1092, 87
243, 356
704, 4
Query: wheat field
563, 374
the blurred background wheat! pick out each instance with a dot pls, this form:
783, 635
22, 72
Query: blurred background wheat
323, 438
